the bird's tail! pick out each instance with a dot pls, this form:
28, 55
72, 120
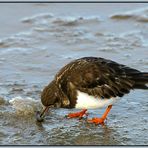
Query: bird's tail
141, 80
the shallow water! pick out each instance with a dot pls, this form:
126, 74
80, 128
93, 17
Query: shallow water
47, 39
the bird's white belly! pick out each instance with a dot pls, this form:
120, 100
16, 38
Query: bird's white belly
89, 102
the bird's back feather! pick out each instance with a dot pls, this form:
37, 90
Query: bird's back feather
97, 77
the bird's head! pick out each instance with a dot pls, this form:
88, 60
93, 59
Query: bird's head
49, 98
49, 94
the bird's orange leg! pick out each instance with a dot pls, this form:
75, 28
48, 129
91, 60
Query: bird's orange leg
100, 120
77, 114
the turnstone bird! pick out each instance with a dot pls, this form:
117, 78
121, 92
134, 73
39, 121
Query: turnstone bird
89, 83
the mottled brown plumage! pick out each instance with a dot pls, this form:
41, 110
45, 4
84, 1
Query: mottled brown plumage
96, 76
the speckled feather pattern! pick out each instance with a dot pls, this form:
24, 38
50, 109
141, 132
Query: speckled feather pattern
97, 77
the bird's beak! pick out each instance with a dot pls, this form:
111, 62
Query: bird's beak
39, 116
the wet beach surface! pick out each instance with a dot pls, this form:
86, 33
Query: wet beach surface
39, 41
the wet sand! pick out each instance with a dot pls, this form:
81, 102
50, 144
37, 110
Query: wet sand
36, 40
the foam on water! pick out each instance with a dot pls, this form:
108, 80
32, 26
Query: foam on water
35, 18
46, 18
26, 105
72, 21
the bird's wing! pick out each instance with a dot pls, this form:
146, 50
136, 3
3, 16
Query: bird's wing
103, 78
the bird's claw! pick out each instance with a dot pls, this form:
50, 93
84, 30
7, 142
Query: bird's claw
96, 121
79, 115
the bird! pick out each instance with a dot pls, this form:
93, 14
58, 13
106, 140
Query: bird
90, 83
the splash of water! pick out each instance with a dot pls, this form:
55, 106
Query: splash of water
25, 106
